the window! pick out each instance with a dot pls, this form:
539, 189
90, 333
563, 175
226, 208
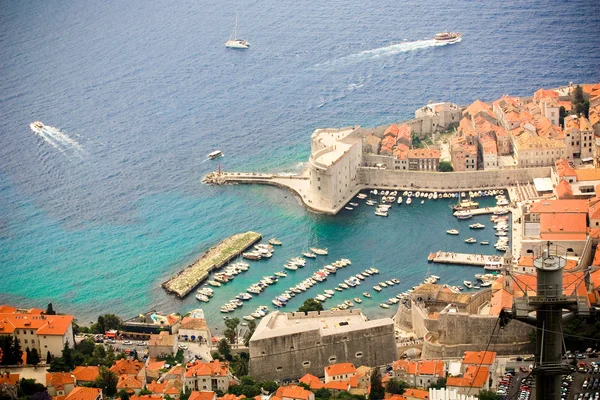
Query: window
358, 354
25, 340
306, 364
319, 178
332, 359
279, 368
319, 187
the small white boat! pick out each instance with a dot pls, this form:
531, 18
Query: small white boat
383, 305
202, 297
452, 231
399, 199
37, 126
408, 200
485, 242
383, 284
395, 280
422, 201
353, 204
319, 251
215, 154
357, 300
374, 270
477, 226
471, 240
381, 213
309, 254
468, 284
377, 288
501, 211
361, 196
236, 43
275, 242
367, 295
349, 208
214, 283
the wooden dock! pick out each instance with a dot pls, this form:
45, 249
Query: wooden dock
475, 260
186, 280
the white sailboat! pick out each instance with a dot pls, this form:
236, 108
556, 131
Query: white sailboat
236, 43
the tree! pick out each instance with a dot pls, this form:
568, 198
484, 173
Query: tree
269, 386
99, 327
48, 357
86, 347
240, 365
224, 349
28, 387
377, 392
35, 357
562, 113
10, 350
107, 381
395, 386
123, 395
322, 394
580, 105
16, 352
446, 166
310, 305
185, 396
50, 310
440, 384
67, 356
28, 356
417, 143
488, 395
112, 322
249, 332
231, 329
145, 392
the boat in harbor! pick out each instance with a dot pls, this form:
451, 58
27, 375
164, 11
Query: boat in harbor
468, 284
215, 154
361, 196
448, 37
367, 295
319, 251
501, 211
493, 266
381, 213
383, 284
274, 242
465, 204
374, 270
36, 126
308, 254
485, 242
202, 297
477, 226
357, 300
236, 43
252, 255
395, 280
377, 288
408, 200
452, 231
383, 305
463, 214
353, 204
471, 240
349, 208
371, 203
214, 283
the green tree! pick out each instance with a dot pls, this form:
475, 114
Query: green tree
28, 387
395, 386
107, 381
446, 166
99, 327
35, 357
269, 386
322, 394
86, 347
224, 349
417, 143
488, 395
304, 385
310, 305
123, 395
440, 384
48, 357
28, 356
67, 356
230, 332
99, 351
249, 332
112, 322
562, 113
16, 352
185, 396
240, 365
145, 392
580, 105
50, 310
377, 391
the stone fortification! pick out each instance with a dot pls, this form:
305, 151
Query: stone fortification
287, 346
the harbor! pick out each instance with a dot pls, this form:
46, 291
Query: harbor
189, 278
475, 260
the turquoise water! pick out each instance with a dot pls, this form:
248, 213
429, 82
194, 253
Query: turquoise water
95, 221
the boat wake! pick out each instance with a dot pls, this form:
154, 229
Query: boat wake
388, 51
62, 142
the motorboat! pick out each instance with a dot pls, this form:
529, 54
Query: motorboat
395, 280
377, 288
252, 255
354, 204
348, 303
349, 208
383, 305
389, 283
371, 203
367, 295
399, 199
236, 43
249, 317
36, 126
383, 284
214, 283
274, 242
408, 200
374, 270
357, 300
477, 226
471, 240
463, 214
485, 242
501, 211
381, 213
308, 254
361, 196
215, 154
291, 267
202, 297
468, 284
343, 285
319, 251
452, 231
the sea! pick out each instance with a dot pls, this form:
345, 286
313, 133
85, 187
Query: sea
106, 203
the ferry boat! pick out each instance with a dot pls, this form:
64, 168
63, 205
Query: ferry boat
36, 126
215, 154
465, 204
452, 231
448, 37
493, 266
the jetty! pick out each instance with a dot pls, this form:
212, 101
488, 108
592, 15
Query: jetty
189, 278
488, 210
476, 260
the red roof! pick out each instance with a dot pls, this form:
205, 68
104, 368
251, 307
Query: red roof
128, 367
312, 381
391, 130
9, 379
563, 190
86, 374
84, 393
202, 395
59, 379
230, 396
417, 393
559, 206
474, 377
213, 368
337, 385
129, 382
340, 369
563, 226
293, 392
479, 357
43, 324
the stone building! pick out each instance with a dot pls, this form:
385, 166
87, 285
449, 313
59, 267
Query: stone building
579, 137
423, 160
214, 375
436, 117
290, 345
162, 344
537, 151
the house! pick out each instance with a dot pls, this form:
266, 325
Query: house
85, 393
153, 322
423, 160
195, 395
463, 154
9, 384
194, 329
127, 367
60, 383
312, 381
84, 375
162, 344
131, 384
214, 375
531, 150
486, 358
293, 392
45, 333
472, 381
420, 373
171, 388
153, 368
416, 394
339, 372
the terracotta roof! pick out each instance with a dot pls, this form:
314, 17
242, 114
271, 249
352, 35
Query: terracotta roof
129, 382
563, 168
560, 206
84, 393
474, 376
43, 324
488, 144
572, 284
164, 338
566, 104
595, 279
477, 357
340, 369
391, 130
145, 397
596, 261
417, 393
563, 226
193, 323
86, 374
466, 127
563, 190
430, 367
202, 395
477, 107
213, 368
540, 94
128, 367
6, 309
501, 299
312, 381
155, 365
530, 142
588, 174
156, 387
405, 131
230, 396
9, 379
337, 385
59, 379
294, 392
177, 370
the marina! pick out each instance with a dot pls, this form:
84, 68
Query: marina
475, 260
189, 278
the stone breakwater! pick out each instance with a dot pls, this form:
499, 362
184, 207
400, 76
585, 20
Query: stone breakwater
186, 280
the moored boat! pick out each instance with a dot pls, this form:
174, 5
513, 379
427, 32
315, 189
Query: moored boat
452, 231
215, 154
471, 240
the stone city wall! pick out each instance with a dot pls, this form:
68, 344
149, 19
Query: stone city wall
383, 178
463, 328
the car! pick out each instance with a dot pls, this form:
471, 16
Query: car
581, 356
183, 347
127, 342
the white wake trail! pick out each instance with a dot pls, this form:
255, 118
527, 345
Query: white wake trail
66, 141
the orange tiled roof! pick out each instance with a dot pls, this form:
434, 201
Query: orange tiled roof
466, 127
128, 367
86, 374
430, 367
588, 174
501, 299
391, 130
312, 381
474, 377
6, 309
9, 379
59, 379
562, 206
405, 131
337, 385
156, 387
213, 368
155, 365
202, 395
230, 396
563, 226
177, 370
596, 261
417, 393
129, 382
340, 369
293, 392
563, 168
477, 357
563, 190
477, 107
84, 393
193, 323
43, 324
145, 397
540, 94
572, 284
595, 279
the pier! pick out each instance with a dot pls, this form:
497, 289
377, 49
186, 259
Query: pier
488, 210
189, 278
475, 260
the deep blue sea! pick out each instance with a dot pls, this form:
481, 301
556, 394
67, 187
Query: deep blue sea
107, 204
